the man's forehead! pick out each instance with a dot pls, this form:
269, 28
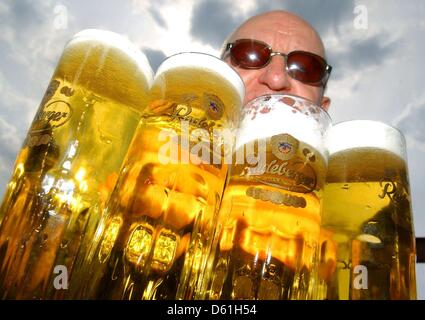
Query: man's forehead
298, 35
284, 32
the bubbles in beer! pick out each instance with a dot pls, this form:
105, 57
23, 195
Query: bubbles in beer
362, 218
270, 217
77, 141
168, 210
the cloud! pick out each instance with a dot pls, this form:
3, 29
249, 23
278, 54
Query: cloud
360, 54
156, 14
15, 109
29, 48
324, 15
141, 7
155, 57
15, 12
14, 105
29, 41
213, 21
9, 140
11, 134
411, 122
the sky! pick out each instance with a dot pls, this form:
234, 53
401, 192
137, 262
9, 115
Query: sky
376, 49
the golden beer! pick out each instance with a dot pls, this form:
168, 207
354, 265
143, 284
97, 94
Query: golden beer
154, 241
69, 162
269, 223
368, 243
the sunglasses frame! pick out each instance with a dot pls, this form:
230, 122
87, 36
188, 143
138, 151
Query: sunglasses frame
322, 82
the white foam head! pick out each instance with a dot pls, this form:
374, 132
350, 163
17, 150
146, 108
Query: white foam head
366, 134
204, 61
112, 39
271, 115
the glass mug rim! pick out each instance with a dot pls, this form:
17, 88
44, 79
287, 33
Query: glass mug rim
115, 40
326, 113
228, 72
372, 122
369, 139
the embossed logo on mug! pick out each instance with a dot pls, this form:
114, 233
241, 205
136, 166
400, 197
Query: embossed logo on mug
284, 146
52, 115
214, 107
295, 176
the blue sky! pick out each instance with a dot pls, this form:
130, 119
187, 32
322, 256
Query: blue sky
378, 67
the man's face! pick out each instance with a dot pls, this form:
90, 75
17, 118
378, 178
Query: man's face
284, 33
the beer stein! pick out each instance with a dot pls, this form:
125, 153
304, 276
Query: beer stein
368, 243
69, 163
266, 240
157, 231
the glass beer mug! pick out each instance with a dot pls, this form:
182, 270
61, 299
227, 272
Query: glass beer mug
154, 240
267, 235
69, 161
367, 239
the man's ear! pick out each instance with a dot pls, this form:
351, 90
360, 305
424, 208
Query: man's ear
326, 102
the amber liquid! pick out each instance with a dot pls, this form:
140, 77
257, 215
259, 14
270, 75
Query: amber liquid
267, 239
67, 168
367, 222
157, 235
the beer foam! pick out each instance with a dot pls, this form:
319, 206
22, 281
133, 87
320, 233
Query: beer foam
366, 133
206, 62
269, 115
119, 42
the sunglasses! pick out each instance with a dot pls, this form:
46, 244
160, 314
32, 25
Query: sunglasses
306, 67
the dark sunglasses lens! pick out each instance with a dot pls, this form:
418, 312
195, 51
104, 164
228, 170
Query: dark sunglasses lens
250, 54
305, 67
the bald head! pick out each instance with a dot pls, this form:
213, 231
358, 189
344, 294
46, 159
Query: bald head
284, 32
283, 25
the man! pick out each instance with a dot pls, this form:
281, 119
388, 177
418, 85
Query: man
258, 50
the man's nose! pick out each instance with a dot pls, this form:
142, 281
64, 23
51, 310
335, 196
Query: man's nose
274, 75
